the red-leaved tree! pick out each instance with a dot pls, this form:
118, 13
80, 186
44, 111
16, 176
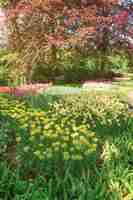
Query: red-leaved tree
40, 27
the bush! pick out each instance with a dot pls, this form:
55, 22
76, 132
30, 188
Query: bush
80, 67
69, 67
72, 66
119, 62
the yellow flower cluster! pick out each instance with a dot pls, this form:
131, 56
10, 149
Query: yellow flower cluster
56, 138
50, 136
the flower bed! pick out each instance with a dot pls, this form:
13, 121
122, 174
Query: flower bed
64, 146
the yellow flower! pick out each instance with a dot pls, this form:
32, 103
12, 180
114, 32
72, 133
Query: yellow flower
83, 129
40, 114
42, 118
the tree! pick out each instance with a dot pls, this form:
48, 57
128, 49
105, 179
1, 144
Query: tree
40, 27
72, 22
123, 24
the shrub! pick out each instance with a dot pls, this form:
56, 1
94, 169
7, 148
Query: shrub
119, 62
78, 66
69, 66
73, 66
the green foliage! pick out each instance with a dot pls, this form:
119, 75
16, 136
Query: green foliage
42, 72
14, 187
68, 67
7, 126
72, 66
97, 64
119, 62
113, 179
